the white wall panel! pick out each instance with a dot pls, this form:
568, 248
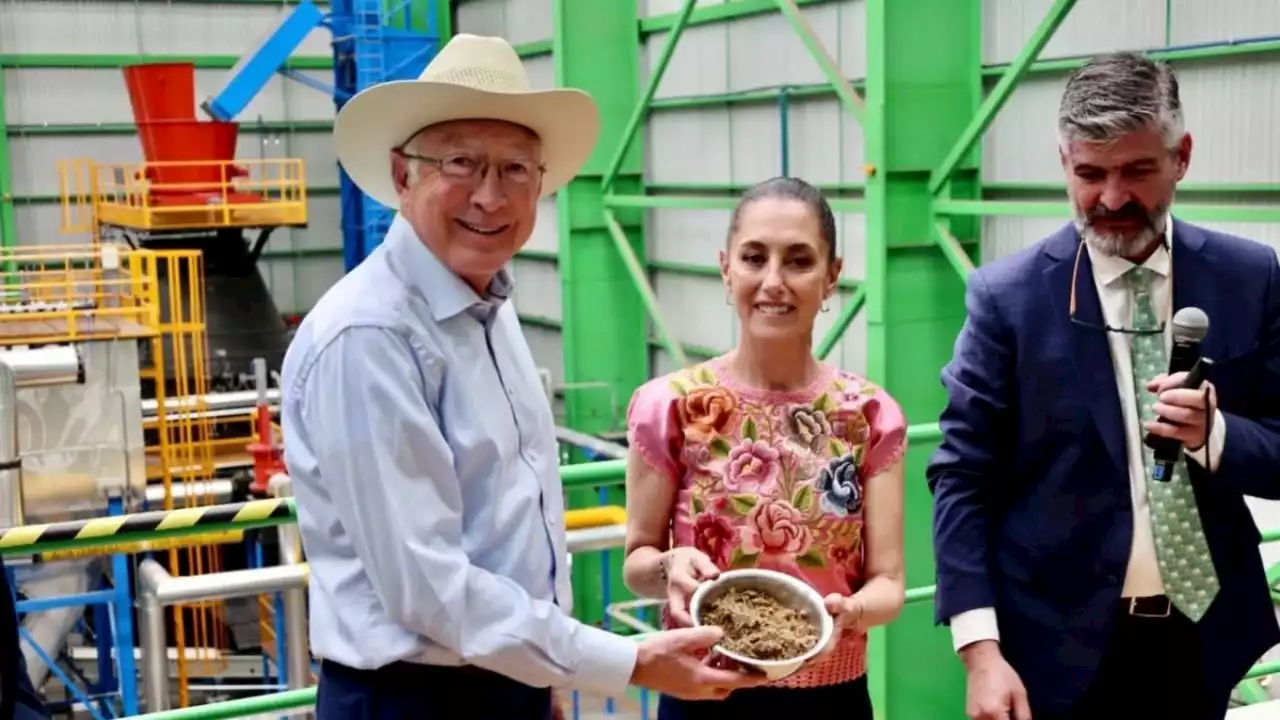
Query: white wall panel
547, 350
1227, 105
1092, 26
649, 8
519, 21
537, 292
113, 27
1197, 21
546, 231
38, 96
743, 144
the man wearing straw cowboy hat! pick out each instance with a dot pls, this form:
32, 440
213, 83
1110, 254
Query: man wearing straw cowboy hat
417, 434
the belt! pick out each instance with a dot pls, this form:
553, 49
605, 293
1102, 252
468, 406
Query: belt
1151, 606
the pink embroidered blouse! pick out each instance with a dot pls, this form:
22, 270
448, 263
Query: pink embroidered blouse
773, 479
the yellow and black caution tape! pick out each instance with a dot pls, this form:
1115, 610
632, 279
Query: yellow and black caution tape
145, 527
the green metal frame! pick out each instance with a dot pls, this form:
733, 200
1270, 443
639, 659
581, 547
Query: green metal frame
596, 49
922, 197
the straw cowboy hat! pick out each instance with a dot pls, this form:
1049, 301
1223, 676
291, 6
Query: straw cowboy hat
471, 78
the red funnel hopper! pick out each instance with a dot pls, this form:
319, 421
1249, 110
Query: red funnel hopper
161, 91
189, 141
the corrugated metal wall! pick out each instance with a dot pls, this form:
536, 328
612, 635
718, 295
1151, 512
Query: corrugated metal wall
537, 295
58, 94
1229, 106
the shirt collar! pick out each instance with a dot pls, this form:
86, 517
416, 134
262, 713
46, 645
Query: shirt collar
1110, 268
446, 294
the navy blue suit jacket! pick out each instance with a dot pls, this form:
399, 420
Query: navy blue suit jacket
1032, 512
18, 699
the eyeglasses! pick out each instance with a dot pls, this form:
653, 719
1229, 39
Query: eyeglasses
1075, 273
469, 168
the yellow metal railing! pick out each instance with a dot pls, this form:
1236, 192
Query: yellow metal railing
184, 444
183, 195
75, 293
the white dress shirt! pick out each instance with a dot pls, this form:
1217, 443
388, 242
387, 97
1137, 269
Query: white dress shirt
1142, 578
426, 472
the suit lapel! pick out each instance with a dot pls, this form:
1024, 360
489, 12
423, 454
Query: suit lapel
1092, 354
1193, 285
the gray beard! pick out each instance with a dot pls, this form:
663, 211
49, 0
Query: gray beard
1121, 245
1117, 245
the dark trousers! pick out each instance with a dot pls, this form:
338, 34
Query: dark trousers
409, 691
846, 701
1151, 669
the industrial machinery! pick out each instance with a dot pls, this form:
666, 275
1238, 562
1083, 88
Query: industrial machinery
175, 340
74, 321
373, 41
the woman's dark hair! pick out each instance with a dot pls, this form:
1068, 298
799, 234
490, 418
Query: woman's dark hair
789, 188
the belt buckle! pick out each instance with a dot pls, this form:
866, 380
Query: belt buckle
1133, 609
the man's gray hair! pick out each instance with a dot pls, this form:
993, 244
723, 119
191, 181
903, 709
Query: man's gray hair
1120, 93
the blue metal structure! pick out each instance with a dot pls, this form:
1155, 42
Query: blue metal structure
115, 692
374, 41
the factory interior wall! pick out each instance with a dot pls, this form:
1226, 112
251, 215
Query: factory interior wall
742, 99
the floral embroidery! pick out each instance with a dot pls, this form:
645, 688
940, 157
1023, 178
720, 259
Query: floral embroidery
706, 412
774, 484
840, 486
715, 536
810, 426
753, 466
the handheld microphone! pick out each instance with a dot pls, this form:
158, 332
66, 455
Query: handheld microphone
1190, 326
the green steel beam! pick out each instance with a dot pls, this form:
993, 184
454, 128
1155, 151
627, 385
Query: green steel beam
1198, 53
1206, 53
1196, 212
623, 150
596, 48
214, 62
924, 83
849, 97
72, 129
718, 14
8, 223
1000, 94
110, 61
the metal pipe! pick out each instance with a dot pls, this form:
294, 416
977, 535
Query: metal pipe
151, 637
157, 589
54, 365
219, 490
11, 510
240, 399
297, 648
590, 442
596, 538
233, 584
25, 368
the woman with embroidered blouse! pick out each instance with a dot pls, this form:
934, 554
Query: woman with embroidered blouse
767, 458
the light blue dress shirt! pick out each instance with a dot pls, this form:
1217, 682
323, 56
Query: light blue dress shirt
424, 464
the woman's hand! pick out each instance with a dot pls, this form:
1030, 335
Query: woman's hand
848, 611
685, 568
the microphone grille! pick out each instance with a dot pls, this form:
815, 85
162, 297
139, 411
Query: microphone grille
1190, 324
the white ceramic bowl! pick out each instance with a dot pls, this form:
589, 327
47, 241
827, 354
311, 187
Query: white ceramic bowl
788, 589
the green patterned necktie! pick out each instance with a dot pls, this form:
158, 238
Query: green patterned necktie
1181, 549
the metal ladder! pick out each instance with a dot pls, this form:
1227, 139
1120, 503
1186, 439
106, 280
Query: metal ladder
370, 55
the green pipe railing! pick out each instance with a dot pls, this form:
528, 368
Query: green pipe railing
244, 707
244, 516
